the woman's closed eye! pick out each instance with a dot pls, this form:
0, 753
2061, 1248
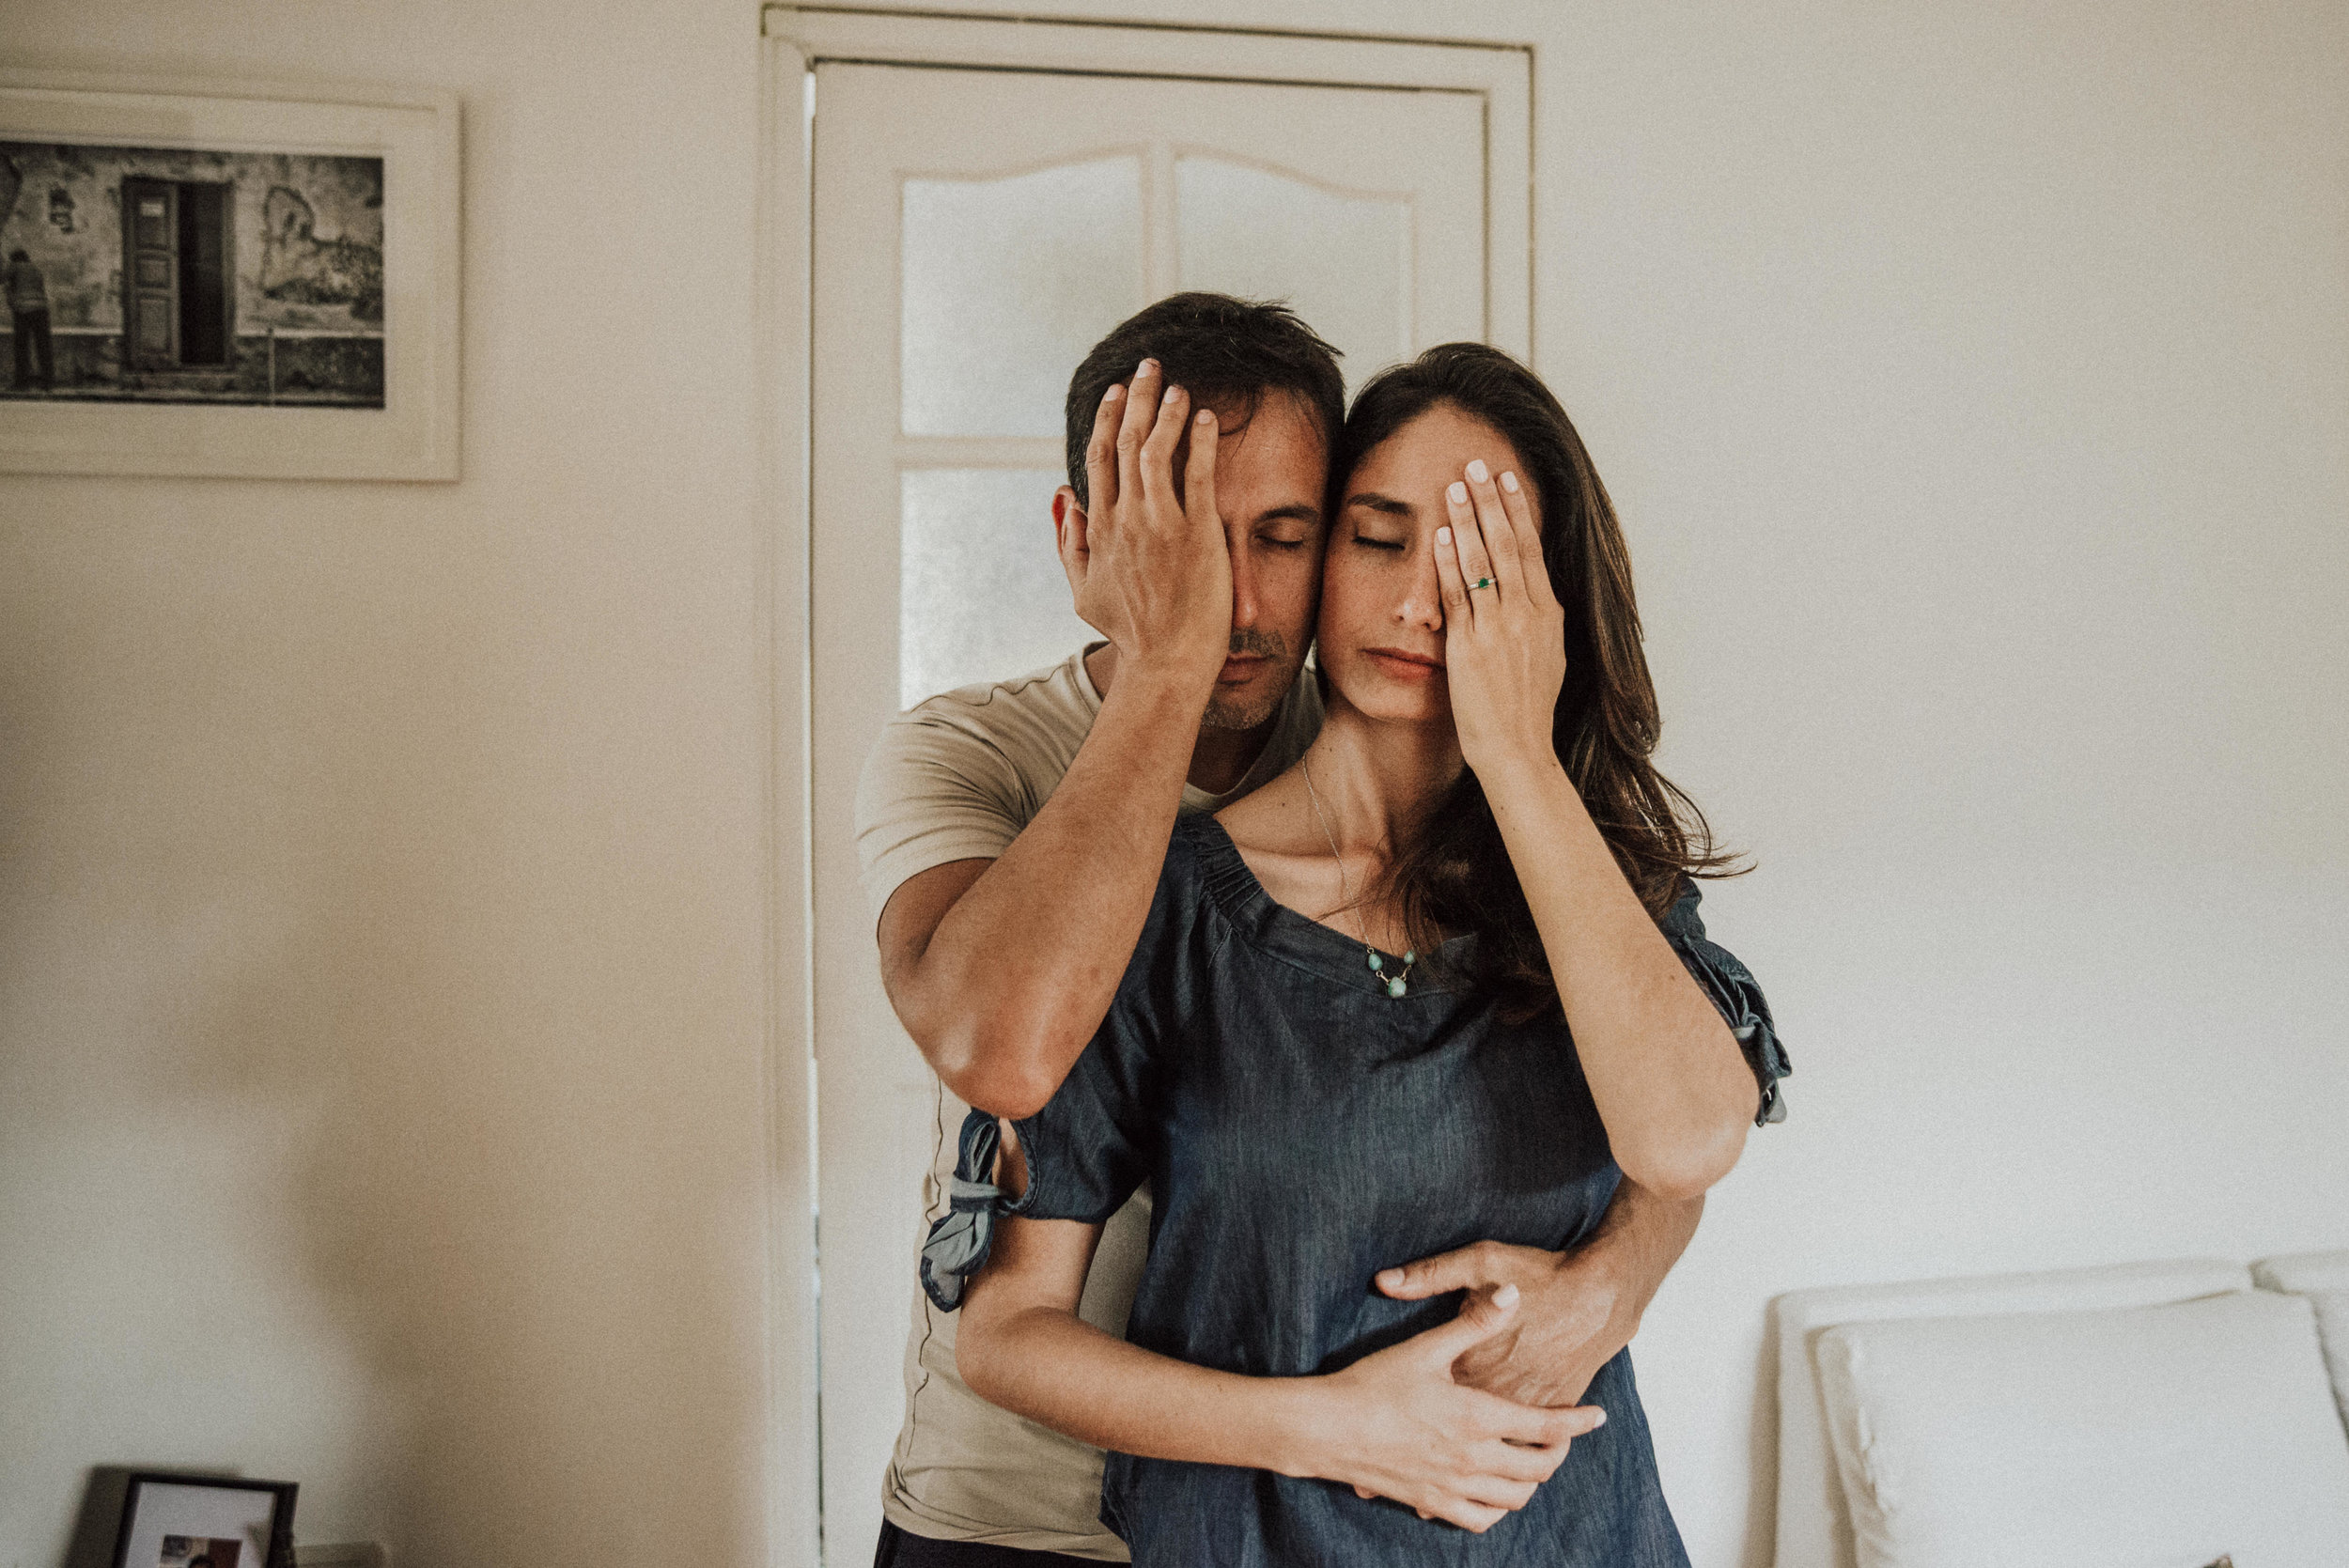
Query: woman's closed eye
1381, 539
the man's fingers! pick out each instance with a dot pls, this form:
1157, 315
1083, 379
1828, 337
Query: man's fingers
1101, 451
1157, 450
1199, 473
1140, 413
1458, 1269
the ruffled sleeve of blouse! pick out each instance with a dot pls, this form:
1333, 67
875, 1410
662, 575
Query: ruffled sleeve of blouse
1088, 1149
1739, 997
961, 1239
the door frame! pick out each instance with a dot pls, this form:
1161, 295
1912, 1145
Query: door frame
797, 39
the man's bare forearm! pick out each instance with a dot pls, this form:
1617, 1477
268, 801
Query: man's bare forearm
1016, 975
1637, 1241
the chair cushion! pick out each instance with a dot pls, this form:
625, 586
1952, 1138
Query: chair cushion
2149, 1437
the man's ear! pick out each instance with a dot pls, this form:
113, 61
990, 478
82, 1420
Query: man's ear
1069, 524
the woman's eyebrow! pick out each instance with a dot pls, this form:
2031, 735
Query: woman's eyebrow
1377, 503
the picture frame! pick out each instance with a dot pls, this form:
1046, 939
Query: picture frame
195, 1521
229, 279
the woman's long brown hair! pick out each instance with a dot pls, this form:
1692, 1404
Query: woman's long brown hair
1455, 876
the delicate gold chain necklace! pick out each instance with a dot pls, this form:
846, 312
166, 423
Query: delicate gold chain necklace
1396, 983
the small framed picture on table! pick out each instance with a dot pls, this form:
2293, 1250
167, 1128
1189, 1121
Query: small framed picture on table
187, 1521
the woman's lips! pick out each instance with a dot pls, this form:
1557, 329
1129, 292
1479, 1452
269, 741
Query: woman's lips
1404, 665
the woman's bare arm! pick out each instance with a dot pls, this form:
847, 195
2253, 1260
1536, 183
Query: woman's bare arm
1394, 1423
1666, 1075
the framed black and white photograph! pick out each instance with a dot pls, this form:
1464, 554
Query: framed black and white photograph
227, 280
180, 1521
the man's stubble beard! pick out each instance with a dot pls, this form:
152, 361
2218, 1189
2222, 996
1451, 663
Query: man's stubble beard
1258, 708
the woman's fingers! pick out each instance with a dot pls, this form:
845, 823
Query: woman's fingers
1504, 1492
1476, 564
1516, 1462
1449, 585
1494, 530
1527, 529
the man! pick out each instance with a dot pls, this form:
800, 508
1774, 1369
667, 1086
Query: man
28, 310
1012, 836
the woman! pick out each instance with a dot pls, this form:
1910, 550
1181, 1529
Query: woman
1441, 981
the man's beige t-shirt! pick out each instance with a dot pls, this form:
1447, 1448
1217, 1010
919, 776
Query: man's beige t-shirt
955, 779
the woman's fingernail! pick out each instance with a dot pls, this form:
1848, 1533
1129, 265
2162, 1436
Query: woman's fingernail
1206, 416
1602, 1421
1509, 483
1145, 367
1477, 470
1172, 393
1505, 1297
1458, 492
1389, 1275
1443, 535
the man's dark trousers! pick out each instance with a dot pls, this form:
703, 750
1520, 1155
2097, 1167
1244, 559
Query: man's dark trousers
32, 339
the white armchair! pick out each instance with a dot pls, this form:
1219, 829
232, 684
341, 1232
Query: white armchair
2140, 1416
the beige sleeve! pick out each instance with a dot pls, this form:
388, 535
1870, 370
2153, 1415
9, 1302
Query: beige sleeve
933, 792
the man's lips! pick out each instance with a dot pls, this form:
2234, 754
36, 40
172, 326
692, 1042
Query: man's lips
1240, 667
1403, 665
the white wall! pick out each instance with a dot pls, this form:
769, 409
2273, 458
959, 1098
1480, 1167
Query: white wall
379, 920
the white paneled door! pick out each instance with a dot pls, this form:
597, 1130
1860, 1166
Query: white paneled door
974, 233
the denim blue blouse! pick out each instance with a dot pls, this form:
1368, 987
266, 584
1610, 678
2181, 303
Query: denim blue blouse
1301, 1130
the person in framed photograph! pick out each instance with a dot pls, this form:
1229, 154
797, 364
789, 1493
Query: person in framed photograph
28, 317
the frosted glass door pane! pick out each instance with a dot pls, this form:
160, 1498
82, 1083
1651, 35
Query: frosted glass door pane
1343, 262
981, 594
1007, 284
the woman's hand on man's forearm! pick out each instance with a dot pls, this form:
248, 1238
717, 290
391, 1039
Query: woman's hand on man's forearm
1396, 1423
1579, 1307
1400, 1424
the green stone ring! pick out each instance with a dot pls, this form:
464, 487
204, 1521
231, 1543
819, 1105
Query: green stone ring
1481, 583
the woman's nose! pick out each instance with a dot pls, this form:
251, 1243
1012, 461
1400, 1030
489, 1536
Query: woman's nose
1423, 603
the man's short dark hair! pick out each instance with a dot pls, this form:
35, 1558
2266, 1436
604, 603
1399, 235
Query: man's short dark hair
1225, 353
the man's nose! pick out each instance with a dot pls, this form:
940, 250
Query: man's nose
1246, 599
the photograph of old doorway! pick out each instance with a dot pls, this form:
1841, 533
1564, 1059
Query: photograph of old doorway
985, 200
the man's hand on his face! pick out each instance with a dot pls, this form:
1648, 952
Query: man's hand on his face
1148, 564
1577, 1313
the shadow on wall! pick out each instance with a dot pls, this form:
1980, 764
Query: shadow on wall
243, 905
